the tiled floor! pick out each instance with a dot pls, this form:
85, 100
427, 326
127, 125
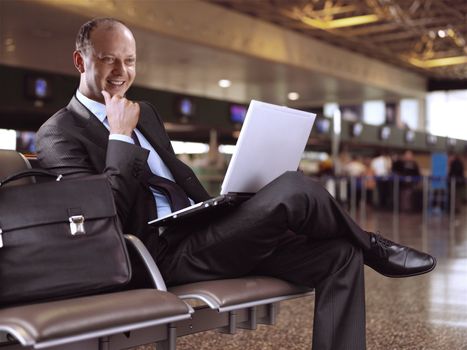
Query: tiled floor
427, 312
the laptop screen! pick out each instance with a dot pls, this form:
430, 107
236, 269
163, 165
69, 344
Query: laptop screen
271, 142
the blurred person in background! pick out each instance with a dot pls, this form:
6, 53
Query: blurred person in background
326, 168
457, 172
407, 168
355, 169
369, 181
381, 166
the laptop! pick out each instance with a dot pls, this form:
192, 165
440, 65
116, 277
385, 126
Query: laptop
271, 142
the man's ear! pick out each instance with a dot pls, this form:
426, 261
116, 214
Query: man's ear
78, 60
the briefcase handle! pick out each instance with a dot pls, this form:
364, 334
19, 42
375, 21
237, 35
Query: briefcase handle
27, 173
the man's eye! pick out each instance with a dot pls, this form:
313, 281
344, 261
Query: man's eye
108, 59
130, 62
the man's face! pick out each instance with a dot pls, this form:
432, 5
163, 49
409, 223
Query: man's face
109, 64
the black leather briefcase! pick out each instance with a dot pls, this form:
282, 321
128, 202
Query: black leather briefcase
59, 239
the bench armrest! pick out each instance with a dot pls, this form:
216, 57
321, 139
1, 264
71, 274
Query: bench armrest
148, 261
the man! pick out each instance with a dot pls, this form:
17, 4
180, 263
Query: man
407, 168
457, 173
292, 229
381, 166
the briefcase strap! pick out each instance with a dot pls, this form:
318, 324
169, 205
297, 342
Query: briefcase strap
23, 174
28, 173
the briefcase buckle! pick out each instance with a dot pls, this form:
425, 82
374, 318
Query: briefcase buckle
77, 225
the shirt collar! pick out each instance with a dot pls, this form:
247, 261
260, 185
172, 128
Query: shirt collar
97, 108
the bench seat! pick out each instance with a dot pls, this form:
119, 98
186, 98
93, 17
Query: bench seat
230, 294
60, 322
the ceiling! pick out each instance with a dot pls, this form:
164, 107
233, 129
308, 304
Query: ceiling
39, 34
426, 36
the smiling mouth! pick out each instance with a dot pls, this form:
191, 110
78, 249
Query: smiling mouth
116, 83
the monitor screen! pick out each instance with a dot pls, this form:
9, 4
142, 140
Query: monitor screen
356, 129
431, 139
323, 125
451, 142
237, 113
409, 136
384, 132
38, 87
25, 141
184, 107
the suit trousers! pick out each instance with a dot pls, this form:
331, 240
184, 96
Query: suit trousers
292, 229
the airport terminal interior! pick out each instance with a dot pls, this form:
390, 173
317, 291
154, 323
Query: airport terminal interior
387, 80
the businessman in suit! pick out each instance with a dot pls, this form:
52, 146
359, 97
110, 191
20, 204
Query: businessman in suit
291, 229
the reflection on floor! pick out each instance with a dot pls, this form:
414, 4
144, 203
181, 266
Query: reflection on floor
427, 312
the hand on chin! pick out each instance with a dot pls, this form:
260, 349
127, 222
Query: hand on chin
115, 90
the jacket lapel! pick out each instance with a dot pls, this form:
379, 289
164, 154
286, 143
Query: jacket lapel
94, 129
182, 173
155, 135
150, 129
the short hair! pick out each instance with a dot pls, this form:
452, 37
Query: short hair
83, 39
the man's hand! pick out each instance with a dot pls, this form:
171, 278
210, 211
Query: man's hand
122, 114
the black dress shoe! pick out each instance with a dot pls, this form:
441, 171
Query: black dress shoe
394, 260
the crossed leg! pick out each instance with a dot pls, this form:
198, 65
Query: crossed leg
292, 229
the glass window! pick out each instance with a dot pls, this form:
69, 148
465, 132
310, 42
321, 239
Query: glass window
447, 113
374, 112
329, 109
181, 147
7, 139
409, 110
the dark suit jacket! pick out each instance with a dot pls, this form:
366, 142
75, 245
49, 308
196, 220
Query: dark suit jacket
74, 141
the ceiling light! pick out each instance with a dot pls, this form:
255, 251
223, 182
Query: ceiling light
438, 62
293, 96
340, 23
450, 32
10, 45
224, 83
441, 33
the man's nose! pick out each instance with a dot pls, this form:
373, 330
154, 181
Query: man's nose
118, 67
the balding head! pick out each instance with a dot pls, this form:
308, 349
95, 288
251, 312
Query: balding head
83, 39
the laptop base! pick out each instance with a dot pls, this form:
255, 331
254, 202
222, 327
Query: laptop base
195, 210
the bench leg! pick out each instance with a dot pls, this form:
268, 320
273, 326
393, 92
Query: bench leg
232, 326
252, 322
273, 311
171, 342
104, 343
